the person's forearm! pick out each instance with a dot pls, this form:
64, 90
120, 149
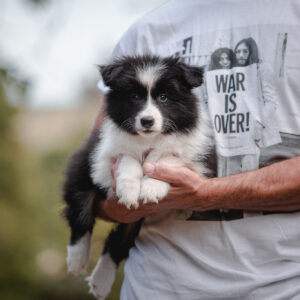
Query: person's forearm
99, 119
273, 188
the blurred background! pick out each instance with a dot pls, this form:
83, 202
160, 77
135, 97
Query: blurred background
48, 104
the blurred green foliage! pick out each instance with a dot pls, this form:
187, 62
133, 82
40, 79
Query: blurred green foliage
33, 235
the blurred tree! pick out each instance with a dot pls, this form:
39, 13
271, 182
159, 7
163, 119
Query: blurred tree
6, 143
33, 236
30, 236
11, 187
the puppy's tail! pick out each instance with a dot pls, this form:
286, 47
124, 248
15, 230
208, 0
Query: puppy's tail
116, 248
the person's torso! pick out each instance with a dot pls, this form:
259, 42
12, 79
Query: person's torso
255, 113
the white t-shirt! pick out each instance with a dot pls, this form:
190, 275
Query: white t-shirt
255, 112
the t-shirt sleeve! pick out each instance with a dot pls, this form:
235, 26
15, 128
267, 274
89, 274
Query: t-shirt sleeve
137, 40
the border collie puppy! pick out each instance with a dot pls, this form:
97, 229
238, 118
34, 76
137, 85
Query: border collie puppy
151, 115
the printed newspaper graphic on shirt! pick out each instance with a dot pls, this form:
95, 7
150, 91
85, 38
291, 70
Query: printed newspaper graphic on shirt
235, 109
239, 110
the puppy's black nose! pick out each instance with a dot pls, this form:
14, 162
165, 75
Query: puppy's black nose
147, 122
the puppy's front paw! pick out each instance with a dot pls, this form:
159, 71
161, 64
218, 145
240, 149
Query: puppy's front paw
128, 191
78, 255
153, 190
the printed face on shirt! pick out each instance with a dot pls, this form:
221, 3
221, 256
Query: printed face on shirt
242, 54
224, 60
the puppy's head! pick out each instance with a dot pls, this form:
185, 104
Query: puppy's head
150, 95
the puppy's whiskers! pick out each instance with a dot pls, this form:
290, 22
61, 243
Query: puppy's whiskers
127, 124
170, 125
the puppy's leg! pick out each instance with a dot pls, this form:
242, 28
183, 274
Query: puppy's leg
102, 277
117, 246
153, 190
80, 216
129, 181
80, 195
78, 254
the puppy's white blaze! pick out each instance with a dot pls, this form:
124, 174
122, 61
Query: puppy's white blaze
150, 110
150, 74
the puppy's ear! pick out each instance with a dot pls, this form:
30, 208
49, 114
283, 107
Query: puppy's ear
110, 73
193, 75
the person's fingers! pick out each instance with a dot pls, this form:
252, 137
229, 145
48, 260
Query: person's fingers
113, 170
175, 191
173, 175
114, 185
119, 159
115, 162
120, 213
99, 119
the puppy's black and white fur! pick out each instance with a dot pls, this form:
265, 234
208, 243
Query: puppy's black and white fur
151, 115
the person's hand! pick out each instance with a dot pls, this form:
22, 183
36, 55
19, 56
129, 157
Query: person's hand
253, 190
188, 190
99, 119
110, 209
183, 181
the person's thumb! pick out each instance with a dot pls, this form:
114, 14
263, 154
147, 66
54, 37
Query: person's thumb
163, 172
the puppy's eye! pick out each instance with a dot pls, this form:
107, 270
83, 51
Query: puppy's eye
162, 97
134, 97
